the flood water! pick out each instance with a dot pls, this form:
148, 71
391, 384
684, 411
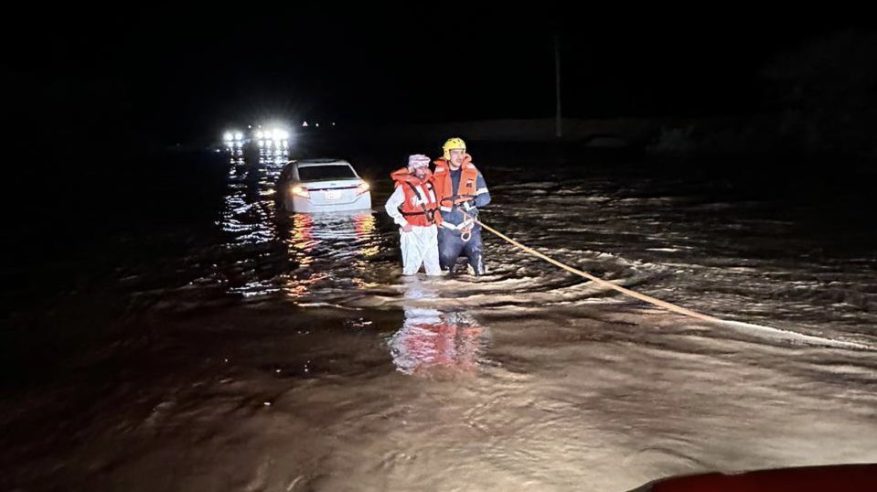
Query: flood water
236, 348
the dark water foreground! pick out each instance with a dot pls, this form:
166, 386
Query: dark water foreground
209, 344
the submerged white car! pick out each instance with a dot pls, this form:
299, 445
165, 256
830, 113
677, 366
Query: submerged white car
322, 185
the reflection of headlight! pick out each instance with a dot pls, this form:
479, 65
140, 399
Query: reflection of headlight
259, 134
261, 143
285, 143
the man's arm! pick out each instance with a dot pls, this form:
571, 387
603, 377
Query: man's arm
392, 207
482, 196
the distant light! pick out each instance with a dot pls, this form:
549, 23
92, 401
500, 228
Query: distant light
261, 143
238, 136
259, 134
317, 125
304, 124
333, 123
286, 143
227, 136
279, 134
249, 126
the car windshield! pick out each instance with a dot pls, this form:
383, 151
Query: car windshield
320, 173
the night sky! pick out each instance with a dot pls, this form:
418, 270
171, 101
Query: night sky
184, 73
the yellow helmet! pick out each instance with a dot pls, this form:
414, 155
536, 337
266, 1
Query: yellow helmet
453, 143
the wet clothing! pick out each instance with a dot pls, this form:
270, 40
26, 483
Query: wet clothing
451, 246
414, 203
467, 187
419, 206
465, 183
420, 247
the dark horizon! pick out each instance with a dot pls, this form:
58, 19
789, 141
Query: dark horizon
188, 74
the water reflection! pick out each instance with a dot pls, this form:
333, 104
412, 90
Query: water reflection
301, 256
332, 251
273, 155
435, 342
302, 234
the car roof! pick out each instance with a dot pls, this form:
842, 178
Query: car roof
321, 162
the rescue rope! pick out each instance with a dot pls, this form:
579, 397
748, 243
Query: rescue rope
669, 306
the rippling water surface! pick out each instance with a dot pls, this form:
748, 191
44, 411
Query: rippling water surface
285, 352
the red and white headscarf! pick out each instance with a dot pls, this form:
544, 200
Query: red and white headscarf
418, 160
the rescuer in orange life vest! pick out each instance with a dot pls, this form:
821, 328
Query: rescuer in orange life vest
414, 207
461, 191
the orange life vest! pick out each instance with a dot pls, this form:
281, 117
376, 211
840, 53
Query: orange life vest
443, 184
420, 207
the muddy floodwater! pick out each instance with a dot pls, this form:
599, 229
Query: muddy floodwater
245, 349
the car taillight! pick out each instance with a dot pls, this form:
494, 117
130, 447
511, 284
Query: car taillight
362, 188
300, 191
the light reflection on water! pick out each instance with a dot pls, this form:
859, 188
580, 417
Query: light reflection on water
433, 342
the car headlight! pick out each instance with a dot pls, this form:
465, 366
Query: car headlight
300, 191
